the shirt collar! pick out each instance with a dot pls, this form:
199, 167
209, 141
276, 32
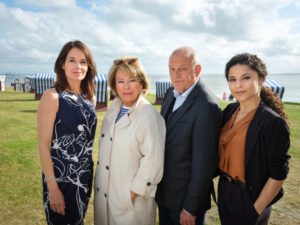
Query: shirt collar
186, 93
126, 107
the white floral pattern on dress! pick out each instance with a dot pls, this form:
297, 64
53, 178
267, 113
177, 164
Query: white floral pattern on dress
71, 149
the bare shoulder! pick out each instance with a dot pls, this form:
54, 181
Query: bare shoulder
94, 100
50, 95
49, 99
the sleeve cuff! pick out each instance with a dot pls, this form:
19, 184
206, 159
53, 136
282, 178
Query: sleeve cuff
187, 212
144, 188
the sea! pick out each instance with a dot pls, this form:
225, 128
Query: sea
216, 82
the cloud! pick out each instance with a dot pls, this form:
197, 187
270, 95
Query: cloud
49, 4
33, 32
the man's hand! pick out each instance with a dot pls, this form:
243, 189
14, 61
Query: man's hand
187, 219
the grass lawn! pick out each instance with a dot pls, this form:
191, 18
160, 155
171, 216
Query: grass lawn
20, 170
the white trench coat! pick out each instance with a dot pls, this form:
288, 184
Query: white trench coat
131, 156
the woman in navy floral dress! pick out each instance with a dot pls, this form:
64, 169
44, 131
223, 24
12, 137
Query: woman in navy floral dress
66, 128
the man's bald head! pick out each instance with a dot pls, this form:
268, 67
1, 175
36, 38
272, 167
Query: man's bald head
189, 53
184, 68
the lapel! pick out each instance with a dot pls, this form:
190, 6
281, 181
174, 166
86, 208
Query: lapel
253, 132
228, 111
181, 111
167, 103
126, 119
112, 114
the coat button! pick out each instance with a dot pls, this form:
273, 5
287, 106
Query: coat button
111, 139
102, 135
148, 183
107, 167
97, 162
97, 189
105, 195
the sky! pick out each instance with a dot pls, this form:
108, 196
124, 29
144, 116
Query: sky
32, 32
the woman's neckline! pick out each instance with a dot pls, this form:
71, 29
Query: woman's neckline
72, 92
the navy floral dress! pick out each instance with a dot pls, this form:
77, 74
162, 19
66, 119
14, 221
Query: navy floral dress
71, 151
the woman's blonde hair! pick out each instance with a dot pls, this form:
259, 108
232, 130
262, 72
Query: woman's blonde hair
133, 68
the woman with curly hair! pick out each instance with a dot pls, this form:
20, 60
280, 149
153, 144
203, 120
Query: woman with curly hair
253, 146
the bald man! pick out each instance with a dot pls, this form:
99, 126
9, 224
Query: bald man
193, 121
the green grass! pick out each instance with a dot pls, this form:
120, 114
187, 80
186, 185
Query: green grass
20, 170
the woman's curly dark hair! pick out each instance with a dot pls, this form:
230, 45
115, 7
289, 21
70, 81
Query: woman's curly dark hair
256, 64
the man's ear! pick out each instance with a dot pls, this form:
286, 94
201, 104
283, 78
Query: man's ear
198, 70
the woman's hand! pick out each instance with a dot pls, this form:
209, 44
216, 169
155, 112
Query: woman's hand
45, 122
133, 195
268, 193
57, 201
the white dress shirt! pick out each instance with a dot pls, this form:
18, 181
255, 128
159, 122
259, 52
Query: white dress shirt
180, 98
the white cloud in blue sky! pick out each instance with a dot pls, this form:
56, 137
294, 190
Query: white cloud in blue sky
32, 32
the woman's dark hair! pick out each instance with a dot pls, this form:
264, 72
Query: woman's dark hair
256, 64
87, 84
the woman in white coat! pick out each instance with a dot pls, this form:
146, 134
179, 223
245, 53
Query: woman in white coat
131, 151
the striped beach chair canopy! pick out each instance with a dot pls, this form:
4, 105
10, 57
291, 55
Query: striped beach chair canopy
162, 86
2, 83
101, 87
43, 81
31, 81
275, 87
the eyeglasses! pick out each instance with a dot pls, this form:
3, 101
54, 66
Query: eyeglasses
129, 61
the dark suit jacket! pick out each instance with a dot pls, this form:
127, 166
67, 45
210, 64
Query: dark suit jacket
266, 148
191, 151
